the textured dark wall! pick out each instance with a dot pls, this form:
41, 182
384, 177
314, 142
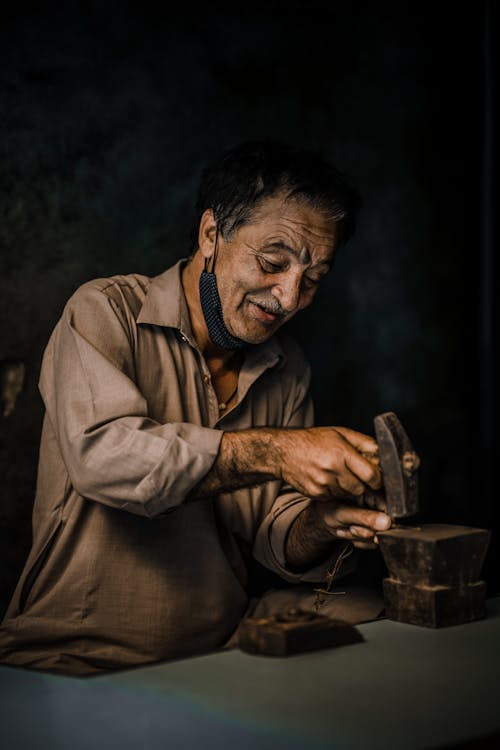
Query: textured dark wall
109, 113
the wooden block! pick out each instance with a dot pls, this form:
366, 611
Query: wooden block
434, 554
293, 632
434, 606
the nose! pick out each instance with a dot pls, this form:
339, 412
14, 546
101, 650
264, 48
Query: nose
287, 292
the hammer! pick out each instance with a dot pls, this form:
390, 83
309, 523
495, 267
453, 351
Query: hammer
399, 464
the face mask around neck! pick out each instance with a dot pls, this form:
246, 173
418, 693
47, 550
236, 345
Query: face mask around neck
212, 311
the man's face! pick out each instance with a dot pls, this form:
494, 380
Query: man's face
270, 268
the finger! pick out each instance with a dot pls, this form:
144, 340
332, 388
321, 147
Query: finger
363, 469
362, 443
374, 500
348, 515
381, 503
369, 500
364, 545
333, 494
350, 484
361, 532
359, 501
344, 533
371, 457
336, 515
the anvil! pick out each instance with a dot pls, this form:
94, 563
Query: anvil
434, 569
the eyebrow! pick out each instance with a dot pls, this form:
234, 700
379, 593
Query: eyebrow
303, 256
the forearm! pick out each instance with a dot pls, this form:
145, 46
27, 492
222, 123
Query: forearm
245, 459
309, 541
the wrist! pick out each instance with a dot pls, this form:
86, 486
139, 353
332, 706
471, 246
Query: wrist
309, 540
315, 520
283, 450
253, 451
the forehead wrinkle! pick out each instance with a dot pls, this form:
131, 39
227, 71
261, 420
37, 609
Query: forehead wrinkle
300, 249
309, 231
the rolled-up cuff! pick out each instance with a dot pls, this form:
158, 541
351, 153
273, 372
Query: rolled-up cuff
192, 450
270, 546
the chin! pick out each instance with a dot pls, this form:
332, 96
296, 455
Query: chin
257, 336
253, 331
257, 339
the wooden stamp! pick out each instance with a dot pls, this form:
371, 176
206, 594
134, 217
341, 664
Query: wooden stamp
294, 631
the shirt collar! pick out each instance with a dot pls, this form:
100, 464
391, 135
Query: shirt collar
165, 305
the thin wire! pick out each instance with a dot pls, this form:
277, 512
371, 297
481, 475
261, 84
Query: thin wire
322, 593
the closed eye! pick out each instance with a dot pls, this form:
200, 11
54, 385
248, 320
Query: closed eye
269, 267
310, 282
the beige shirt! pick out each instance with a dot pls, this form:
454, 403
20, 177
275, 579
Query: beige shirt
123, 569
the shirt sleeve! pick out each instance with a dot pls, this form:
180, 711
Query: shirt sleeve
113, 452
270, 541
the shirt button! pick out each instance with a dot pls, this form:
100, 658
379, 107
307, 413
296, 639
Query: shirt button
206, 379
183, 337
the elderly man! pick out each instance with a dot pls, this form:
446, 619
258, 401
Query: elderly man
178, 432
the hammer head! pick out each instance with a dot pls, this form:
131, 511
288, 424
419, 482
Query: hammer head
399, 464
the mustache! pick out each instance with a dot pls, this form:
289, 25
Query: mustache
270, 305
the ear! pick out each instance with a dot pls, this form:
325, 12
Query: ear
207, 233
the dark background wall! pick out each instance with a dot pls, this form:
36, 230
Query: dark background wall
107, 115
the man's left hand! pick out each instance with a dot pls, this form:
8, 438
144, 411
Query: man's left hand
348, 521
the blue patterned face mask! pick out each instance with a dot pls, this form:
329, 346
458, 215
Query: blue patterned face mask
212, 311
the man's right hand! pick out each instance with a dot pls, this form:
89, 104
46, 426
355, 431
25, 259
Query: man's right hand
327, 463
